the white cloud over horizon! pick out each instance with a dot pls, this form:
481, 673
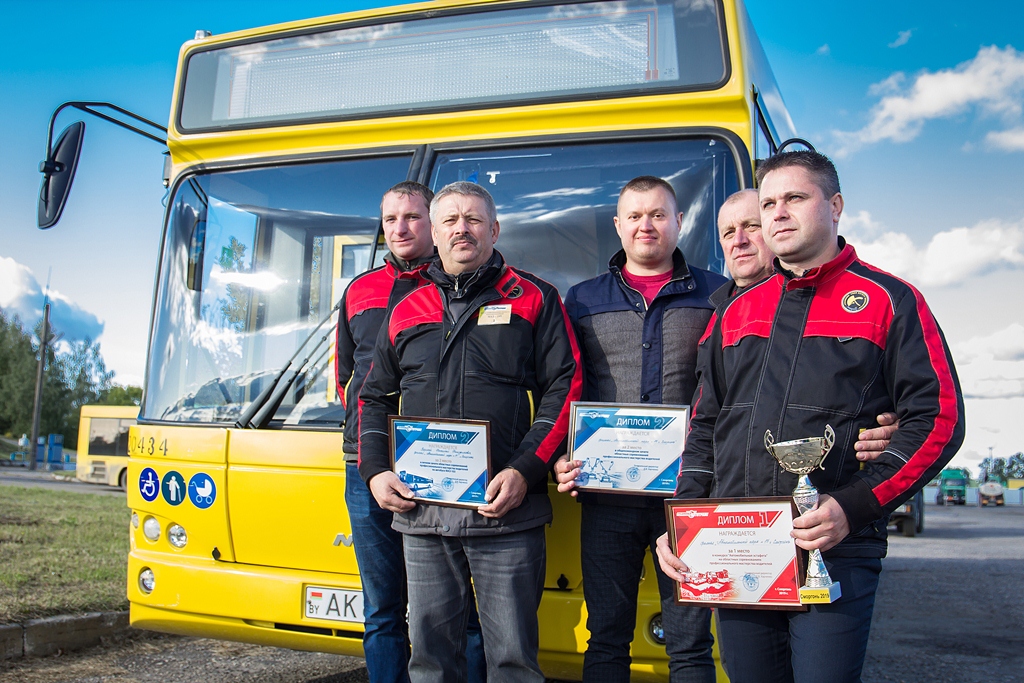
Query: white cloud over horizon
991, 83
950, 257
991, 371
22, 295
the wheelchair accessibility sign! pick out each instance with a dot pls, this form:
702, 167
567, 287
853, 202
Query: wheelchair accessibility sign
201, 490
149, 484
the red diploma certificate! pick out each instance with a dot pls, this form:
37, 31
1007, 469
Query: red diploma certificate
739, 552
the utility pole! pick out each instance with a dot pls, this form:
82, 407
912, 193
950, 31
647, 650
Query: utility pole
37, 407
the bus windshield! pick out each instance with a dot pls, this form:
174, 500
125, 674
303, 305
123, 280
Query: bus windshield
491, 56
254, 259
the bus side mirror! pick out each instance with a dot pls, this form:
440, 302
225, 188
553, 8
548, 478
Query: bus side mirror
58, 171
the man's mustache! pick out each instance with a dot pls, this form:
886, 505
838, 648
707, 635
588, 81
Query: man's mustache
468, 239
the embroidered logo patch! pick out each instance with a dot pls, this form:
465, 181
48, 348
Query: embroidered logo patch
855, 301
516, 292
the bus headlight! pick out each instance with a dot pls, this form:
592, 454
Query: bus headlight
135, 520
147, 582
657, 630
151, 529
177, 536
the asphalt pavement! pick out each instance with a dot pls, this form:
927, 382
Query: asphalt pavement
949, 608
950, 602
22, 476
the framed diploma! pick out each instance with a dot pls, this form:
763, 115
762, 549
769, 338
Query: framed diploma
739, 552
626, 447
446, 462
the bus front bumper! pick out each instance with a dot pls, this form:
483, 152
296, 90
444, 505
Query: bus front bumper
246, 603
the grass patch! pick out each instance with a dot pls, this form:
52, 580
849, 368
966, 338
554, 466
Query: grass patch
61, 553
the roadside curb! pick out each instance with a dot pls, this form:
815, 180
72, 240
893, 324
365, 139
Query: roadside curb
41, 637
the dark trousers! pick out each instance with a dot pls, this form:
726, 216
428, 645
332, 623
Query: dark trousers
506, 574
613, 542
382, 572
824, 645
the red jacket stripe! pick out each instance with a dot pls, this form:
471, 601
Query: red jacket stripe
551, 443
945, 421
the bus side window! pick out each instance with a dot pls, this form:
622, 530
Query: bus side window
764, 147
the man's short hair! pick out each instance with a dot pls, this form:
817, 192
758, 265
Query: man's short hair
465, 189
412, 188
822, 170
646, 183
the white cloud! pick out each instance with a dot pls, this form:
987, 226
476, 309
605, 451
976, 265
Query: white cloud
1008, 140
992, 83
824, 50
21, 295
902, 39
949, 258
1005, 345
992, 366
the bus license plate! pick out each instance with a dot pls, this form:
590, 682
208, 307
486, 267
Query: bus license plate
334, 604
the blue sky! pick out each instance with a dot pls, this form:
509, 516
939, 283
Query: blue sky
922, 112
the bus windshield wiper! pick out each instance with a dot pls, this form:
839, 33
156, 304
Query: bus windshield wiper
258, 414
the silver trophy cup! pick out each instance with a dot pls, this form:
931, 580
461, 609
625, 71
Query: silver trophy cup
801, 457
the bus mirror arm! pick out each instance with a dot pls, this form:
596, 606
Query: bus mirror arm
247, 419
61, 162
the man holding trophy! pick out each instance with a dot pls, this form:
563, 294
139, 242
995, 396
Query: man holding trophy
790, 370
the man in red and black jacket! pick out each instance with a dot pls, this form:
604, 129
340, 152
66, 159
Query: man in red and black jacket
365, 306
482, 341
826, 340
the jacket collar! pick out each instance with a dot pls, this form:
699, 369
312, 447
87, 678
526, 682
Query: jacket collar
398, 267
723, 293
820, 274
467, 283
680, 270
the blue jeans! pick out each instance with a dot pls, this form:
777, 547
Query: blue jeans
613, 542
382, 572
824, 645
507, 573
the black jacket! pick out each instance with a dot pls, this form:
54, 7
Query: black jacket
434, 360
837, 347
635, 353
365, 305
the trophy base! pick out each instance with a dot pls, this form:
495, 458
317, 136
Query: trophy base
820, 596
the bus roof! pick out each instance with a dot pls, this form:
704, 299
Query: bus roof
726, 103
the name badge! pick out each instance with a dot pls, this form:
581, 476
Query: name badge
500, 314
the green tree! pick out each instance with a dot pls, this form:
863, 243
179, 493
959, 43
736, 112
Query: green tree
994, 469
118, 395
17, 376
1015, 466
75, 375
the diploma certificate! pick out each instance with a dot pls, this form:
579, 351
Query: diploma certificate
628, 448
739, 552
443, 461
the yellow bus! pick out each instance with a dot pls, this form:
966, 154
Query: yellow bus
281, 141
103, 444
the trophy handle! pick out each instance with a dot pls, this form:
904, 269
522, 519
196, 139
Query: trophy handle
769, 441
830, 440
